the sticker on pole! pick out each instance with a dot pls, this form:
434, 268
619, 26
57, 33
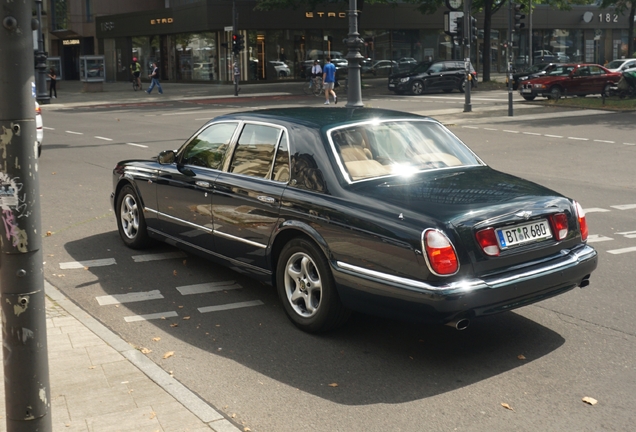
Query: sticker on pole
33, 89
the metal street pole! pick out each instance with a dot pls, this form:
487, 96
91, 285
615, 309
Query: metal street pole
467, 37
42, 95
236, 66
354, 43
24, 344
509, 52
530, 53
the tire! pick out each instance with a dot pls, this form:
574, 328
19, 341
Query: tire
607, 90
307, 289
417, 88
130, 219
529, 98
555, 93
306, 89
447, 90
462, 86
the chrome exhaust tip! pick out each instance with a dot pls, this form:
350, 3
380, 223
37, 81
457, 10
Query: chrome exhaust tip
459, 324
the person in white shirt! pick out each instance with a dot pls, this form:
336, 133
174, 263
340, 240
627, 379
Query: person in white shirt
316, 71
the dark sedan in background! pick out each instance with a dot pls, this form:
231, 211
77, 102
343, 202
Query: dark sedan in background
437, 76
370, 210
535, 71
570, 80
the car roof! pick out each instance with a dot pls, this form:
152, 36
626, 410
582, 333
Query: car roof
320, 117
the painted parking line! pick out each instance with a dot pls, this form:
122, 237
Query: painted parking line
128, 298
104, 138
159, 256
629, 144
604, 141
624, 206
230, 306
595, 210
137, 145
91, 263
531, 133
595, 238
510, 131
208, 287
490, 129
622, 251
74, 133
578, 139
470, 127
159, 315
553, 136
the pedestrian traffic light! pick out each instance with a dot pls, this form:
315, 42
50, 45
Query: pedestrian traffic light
517, 17
235, 43
473, 33
460, 29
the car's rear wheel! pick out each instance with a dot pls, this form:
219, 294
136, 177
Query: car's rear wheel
307, 288
606, 90
555, 93
462, 86
529, 98
130, 219
417, 87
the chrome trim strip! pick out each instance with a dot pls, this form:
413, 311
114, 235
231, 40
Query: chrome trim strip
167, 216
242, 240
578, 256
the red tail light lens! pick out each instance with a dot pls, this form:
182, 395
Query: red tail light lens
440, 252
582, 221
559, 225
488, 241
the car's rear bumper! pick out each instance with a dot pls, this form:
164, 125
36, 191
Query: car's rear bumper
381, 293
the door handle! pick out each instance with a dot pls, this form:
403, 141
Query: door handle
266, 199
202, 184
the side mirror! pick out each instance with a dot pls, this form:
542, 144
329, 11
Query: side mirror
166, 157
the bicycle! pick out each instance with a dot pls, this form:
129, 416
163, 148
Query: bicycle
313, 86
135, 83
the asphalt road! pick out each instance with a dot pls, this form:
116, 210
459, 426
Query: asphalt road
373, 375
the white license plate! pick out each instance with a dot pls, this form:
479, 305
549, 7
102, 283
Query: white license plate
524, 90
519, 234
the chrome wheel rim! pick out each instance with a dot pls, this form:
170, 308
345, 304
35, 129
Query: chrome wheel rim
303, 285
129, 216
417, 88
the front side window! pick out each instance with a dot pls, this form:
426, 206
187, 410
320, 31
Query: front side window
255, 150
398, 148
208, 148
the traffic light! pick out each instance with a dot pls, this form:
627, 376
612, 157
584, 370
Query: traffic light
473, 32
517, 17
241, 43
235, 43
460, 29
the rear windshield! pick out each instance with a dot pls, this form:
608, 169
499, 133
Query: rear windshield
372, 150
615, 64
561, 71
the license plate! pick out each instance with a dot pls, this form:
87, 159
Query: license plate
526, 90
526, 233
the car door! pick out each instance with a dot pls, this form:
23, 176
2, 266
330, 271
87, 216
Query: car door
580, 82
247, 195
184, 188
598, 79
434, 77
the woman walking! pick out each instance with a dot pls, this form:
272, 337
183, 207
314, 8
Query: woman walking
53, 86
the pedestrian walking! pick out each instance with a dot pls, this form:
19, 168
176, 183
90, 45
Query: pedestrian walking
329, 80
53, 83
154, 79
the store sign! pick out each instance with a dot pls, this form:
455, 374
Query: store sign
161, 21
325, 14
70, 42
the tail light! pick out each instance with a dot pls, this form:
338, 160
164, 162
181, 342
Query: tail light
582, 221
440, 253
559, 223
488, 241
38, 110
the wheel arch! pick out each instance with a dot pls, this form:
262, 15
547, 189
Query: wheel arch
127, 181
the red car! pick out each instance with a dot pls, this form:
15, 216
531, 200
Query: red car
570, 80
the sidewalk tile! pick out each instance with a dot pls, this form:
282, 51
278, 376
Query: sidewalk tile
102, 354
138, 420
87, 402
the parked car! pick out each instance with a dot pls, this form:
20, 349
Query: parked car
407, 61
282, 70
545, 56
621, 65
570, 80
445, 75
39, 127
378, 211
535, 71
383, 67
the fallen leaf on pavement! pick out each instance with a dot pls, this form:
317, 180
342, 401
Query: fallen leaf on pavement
521, 357
174, 325
333, 385
186, 318
168, 354
589, 400
506, 406
174, 272
153, 415
49, 234
233, 415
156, 339
145, 350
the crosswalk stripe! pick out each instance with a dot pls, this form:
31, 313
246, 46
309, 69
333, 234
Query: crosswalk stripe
628, 234
159, 315
159, 256
624, 206
595, 238
595, 210
208, 287
230, 306
128, 298
622, 251
90, 263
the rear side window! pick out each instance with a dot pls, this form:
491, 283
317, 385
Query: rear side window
254, 153
208, 148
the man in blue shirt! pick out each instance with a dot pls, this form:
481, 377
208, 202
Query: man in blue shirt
329, 80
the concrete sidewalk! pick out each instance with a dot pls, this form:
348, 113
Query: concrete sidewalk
100, 383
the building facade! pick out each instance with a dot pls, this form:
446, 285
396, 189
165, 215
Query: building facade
191, 39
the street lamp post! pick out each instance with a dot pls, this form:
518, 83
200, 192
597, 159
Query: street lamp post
354, 43
40, 61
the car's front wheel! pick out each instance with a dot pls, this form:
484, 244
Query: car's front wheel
555, 93
417, 87
130, 219
307, 288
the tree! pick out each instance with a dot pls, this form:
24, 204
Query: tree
622, 6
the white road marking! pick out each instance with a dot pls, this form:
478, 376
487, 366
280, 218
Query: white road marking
604, 141
137, 145
531, 133
628, 234
91, 263
579, 139
104, 138
624, 206
75, 133
553, 136
595, 210
47, 128
230, 306
629, 144
159, 256
147, 317
622, 251
510, 131
470, 127
491, 129
208, 287
595, 238
128, 298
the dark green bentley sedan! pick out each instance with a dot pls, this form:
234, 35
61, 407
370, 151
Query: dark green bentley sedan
366, 210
